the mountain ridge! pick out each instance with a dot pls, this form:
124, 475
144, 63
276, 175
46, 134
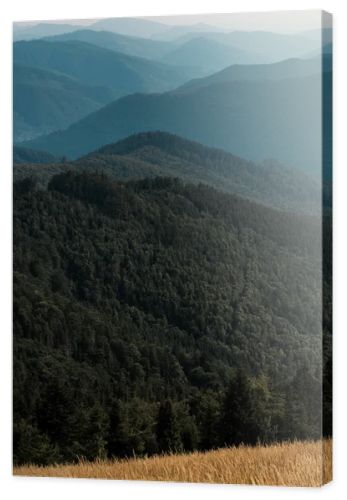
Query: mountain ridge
157, 153
127, 44
95, 65
229, 115
46, 100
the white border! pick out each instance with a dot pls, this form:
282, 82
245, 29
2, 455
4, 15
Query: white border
32, 488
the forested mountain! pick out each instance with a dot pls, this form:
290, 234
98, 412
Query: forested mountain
130, 45
135, 307
29, 156
151, 154
160, 153
253, 119
289, 68
172, 260
44, 101
96, 66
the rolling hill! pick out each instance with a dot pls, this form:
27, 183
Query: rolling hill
97, 66
201, 55
234, 116
44, 101
130, 45
289, 68
153, 154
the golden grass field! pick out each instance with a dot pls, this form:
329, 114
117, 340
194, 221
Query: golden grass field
283, 464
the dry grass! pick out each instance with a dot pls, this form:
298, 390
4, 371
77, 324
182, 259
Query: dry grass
285, 464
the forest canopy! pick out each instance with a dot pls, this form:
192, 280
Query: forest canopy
157, 315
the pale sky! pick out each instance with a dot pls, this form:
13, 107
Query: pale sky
280, 21
277, 21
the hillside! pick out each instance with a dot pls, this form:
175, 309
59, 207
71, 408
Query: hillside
159, 153
97, 66
44, 101
183, 292
25, 155
233, 116
289, 68
151, 154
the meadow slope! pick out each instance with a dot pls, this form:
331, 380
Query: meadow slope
282, 464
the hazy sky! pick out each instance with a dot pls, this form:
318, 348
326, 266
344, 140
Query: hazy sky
285, 21
278, 21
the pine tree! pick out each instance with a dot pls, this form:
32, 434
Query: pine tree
238, 419
168, 432
97, 432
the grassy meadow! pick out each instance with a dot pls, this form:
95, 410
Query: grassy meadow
282, 464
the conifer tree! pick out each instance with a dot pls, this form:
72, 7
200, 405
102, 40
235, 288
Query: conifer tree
238, 419
168, 433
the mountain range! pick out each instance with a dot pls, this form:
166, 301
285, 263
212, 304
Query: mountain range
144, 28
56, 84
202, 55
255, 119
130, 45
94, 65
73, 71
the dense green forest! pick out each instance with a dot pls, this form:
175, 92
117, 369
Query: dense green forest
156, 315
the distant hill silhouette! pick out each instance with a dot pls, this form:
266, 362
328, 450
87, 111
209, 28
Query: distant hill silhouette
254, 119
130, 45
94, 65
